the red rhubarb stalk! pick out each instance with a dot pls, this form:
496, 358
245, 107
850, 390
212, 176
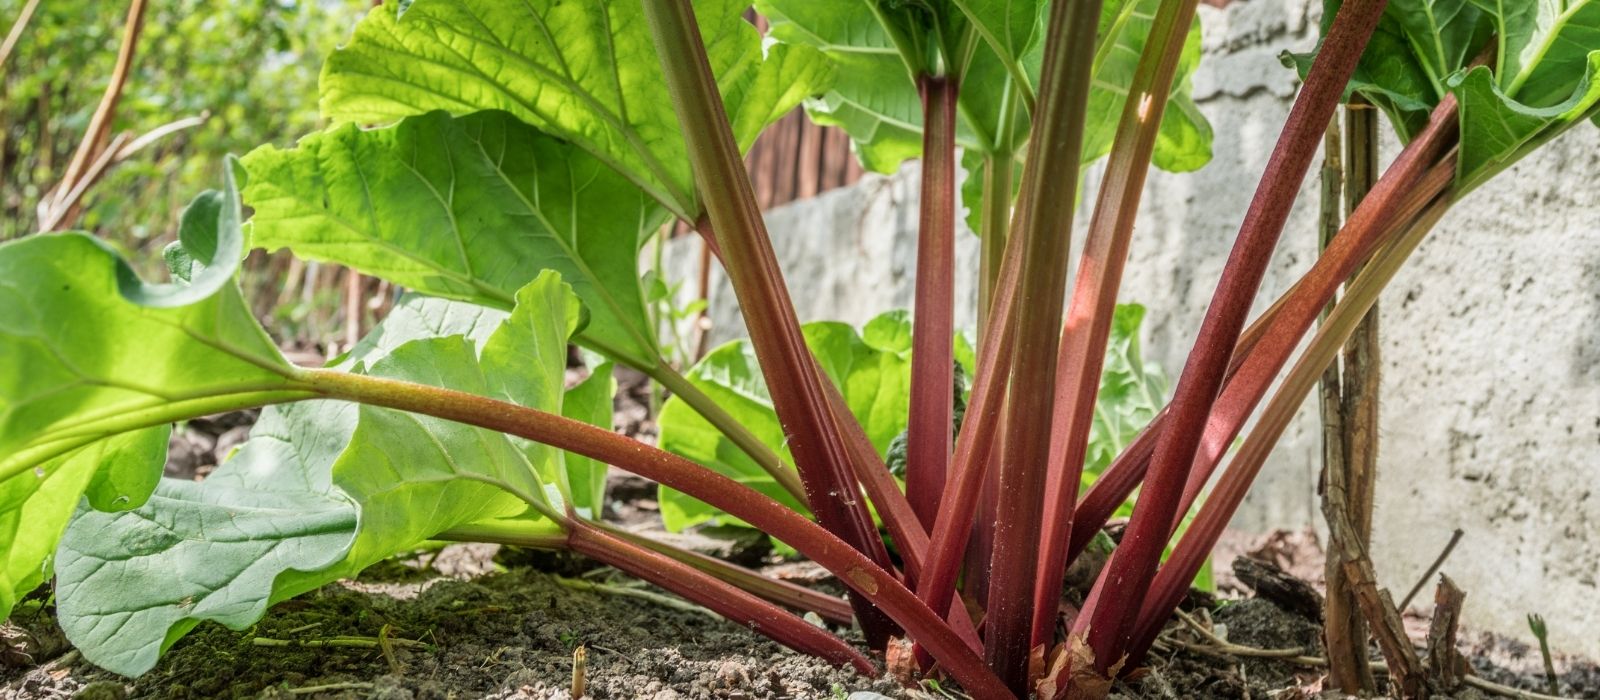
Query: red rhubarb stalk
975, 443
819, 447
1109, 629
831, 608
1094, 299
928, 431
1049, 184
858, 573
1173, 580
722, 598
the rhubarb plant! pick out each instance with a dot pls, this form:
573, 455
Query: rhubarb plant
506, 162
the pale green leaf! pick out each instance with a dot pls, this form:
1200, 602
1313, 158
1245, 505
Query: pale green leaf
1544, 47
35, 506
131, 583
1012, 28
1132, 392
469, 208
1443, 34
1124, 31
589, 401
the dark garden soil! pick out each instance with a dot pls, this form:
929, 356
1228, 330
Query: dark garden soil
478, 621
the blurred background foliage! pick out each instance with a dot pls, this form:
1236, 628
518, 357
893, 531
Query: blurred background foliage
251, 66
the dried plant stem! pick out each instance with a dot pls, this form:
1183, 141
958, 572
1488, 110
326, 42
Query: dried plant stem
15, 33
1347, 404
1230, 649
1455, 538
57, 208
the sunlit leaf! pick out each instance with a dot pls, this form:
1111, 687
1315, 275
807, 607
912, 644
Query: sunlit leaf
586, 72
469, 208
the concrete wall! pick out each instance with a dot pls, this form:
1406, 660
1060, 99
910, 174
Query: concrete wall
1491, 392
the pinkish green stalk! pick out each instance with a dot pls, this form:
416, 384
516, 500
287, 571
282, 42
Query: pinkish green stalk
1109, 629
1049, 182
1094, 300
818, 445
1173, 580
928, 431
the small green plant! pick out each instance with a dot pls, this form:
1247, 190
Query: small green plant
1542, 633
530, 151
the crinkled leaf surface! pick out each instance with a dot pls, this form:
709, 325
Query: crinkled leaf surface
584, 71
324, 489
131, 583
468, 208
97, 362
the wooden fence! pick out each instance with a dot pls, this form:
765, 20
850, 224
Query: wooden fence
796, 159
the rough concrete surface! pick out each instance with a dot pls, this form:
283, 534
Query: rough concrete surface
1491, 359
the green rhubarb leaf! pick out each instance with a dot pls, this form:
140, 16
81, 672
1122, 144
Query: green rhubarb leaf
1497, 130
36, 506
197, 239
97, 351
1443, 34
1132, 392
877, 49
875, 98
877, 106
872, 370
586, 72
1124, 30
589, 401
324, 489
468, 208
100, 362
130, 584
1013, 29
1183, 143
416, 316
1417, 46
973, 164
1542, 47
